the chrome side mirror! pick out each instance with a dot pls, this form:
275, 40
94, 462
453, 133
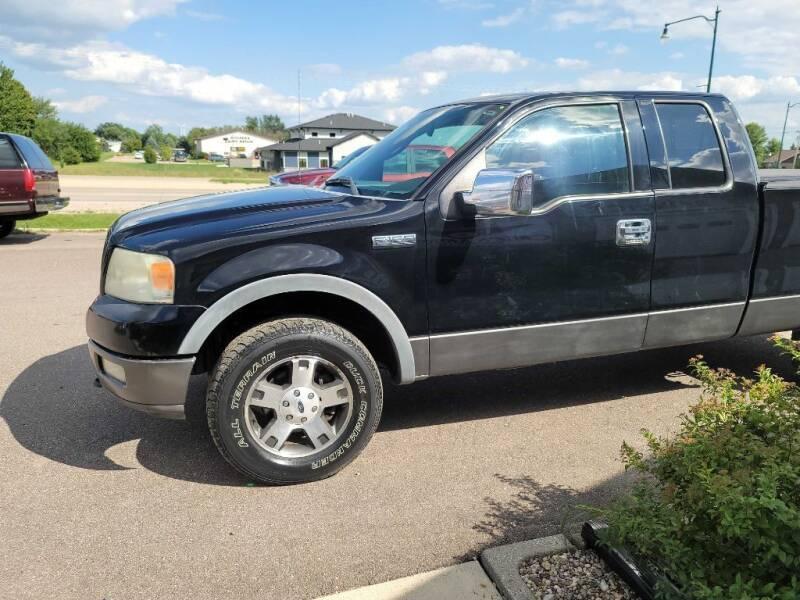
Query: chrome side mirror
498, 192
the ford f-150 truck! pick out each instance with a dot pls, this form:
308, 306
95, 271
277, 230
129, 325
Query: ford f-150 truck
29, 185
559, 226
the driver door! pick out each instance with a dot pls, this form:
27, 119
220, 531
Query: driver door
562, 282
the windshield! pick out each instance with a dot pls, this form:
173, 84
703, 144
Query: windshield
350, 157
397, 165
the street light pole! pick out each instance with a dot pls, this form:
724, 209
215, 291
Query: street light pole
715, 21
789, 106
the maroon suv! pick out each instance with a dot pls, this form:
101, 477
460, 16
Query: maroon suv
29, 185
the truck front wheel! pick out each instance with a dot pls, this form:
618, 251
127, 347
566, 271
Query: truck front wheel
6, 227
293, 400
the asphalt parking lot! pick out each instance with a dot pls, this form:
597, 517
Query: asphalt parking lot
99, 502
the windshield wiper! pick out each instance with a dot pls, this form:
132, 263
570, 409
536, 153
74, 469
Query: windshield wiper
345, 182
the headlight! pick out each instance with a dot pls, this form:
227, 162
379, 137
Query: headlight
139, 277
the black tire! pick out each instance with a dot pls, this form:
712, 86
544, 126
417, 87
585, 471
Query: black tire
267, 344
6, 227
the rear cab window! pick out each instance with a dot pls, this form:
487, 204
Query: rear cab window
9, 159
693, 151
34, 155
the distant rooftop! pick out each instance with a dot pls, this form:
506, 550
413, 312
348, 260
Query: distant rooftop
346, 121
315, 144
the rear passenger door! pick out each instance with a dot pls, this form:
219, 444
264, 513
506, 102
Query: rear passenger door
705, 222
12, 189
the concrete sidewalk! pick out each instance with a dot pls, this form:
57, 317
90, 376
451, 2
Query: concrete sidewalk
467, 581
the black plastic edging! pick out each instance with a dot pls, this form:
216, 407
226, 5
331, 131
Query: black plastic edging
643, 584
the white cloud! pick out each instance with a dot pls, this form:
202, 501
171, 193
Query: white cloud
761, 33
619, 50
35, 20
399, 114
81, 105
380, 91
467, 57
677, 55
151, 75
615, 79
571, 63
373, 91
748, 87
504, 20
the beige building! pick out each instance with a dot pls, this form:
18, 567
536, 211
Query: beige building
232, 144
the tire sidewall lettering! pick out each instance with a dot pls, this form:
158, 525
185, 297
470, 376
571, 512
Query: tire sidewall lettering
233, 409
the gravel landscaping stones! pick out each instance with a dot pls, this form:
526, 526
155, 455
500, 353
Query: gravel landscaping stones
578, 575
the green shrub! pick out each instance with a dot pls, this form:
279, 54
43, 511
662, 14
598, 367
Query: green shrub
150, 156
70, 156
718, 510
165, 152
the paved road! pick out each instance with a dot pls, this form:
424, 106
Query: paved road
121, 194
97, 501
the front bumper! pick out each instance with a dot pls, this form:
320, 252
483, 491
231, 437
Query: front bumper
155, 386
50, 203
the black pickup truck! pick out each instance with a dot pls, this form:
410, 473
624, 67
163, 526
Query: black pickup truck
533, 228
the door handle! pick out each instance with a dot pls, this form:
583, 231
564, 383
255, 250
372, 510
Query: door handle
633, 232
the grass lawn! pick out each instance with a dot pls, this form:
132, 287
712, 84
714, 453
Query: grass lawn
165, 169
56, 221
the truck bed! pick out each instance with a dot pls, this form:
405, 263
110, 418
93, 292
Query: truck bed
775, 294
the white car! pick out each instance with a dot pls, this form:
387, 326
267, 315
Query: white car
138, 155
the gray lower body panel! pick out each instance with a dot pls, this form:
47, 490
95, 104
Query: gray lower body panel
154, 386
693, 324
534, 344
767, 315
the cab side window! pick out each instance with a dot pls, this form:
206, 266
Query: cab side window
693, 152
573, 150
8, 156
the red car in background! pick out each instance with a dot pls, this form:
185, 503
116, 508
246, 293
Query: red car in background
417, 160
314, 177
29, 186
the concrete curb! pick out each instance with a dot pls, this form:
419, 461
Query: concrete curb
502, 563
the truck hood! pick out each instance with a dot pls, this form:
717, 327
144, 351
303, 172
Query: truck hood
216, 218
214, 208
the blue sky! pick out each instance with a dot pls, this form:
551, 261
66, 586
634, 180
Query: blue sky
198, 62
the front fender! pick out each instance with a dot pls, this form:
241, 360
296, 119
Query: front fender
303, 282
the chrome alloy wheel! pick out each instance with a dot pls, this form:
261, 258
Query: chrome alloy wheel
299, 406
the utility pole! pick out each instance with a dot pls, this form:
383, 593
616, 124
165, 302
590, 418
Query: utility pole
715, 21
789, 106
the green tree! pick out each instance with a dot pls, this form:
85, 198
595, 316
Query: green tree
44, 109
271, 125
83, 140
131, 142
17, 107
251, 123
772, 148
51, 136
165, 152
155, 133
758, 138
150, 156
111, 131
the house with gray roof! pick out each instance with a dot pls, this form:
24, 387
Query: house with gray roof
340, 125
323, 142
